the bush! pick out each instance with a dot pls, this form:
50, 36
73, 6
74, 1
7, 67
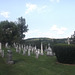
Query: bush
65, 53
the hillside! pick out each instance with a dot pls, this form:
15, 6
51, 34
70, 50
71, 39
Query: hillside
50, 40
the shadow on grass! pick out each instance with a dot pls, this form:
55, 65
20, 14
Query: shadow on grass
18, 61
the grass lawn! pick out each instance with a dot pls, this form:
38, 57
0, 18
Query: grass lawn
29, 65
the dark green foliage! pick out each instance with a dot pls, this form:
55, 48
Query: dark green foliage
12, 32
22, 27
8, 32
65, 53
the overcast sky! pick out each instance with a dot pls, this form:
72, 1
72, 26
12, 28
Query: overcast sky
45, 18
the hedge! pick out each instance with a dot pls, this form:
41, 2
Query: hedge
65, 53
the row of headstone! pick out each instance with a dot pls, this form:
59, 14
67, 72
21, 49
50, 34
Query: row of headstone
24, 49
29, 49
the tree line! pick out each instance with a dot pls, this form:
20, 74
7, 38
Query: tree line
13, 32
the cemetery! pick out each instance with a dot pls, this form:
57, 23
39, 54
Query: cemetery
35, 56
28, 60
37, 37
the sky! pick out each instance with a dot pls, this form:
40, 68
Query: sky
45, 18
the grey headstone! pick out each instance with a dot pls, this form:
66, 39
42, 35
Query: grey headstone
9, 57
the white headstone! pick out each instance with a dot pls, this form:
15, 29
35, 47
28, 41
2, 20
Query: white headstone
32, 50
2, 53
28, 52
24, 51
35, 50
41, 48
49, 51
14, 45
22, 46
0, 46
38, 51
27, 47
68, 41
17, 49
37, 54
6, 45
30, 47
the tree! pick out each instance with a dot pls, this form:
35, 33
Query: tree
22, 28
3, 27
12, 32
8, 32
0, 34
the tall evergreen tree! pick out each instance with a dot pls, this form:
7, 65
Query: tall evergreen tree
22, 28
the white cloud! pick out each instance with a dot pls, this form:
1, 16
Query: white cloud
59, 30
52, 32
33, 7
55, 1
30, 7
32, 31
54, 28
5, 14
41, 9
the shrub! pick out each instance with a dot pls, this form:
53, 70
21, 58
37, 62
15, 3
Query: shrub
65, 53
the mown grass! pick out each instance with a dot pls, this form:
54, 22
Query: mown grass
29, 65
